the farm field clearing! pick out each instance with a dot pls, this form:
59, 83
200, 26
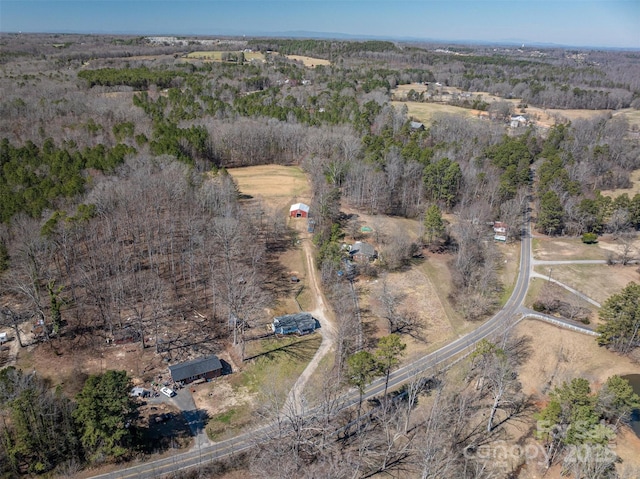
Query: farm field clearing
425, 112
309, 61
278, 186
216, 55
545, 117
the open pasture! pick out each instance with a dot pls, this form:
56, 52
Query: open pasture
278, 186
217, 56
425, 112
544, 117
309, 61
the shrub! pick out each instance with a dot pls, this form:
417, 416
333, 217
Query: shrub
589, 238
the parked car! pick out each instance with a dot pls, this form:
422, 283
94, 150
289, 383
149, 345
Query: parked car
167, 391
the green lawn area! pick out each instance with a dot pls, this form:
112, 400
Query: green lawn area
274, 366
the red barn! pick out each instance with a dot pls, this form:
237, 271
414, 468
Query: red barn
299, 210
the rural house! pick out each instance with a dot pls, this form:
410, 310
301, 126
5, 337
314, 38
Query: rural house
298, 323
518, 121
208, 367
299, 210
500, 231
3, 338
362, 252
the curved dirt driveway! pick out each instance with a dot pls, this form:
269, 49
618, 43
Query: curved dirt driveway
327, 328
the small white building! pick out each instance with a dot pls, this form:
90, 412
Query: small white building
3, 338
518, 121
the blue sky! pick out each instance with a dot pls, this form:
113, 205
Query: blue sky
603, 23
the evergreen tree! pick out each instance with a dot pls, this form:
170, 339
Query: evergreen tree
104, 409
433, 224
551, 214
390, 349
621, 314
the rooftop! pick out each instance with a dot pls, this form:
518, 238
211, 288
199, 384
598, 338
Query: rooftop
299, 206
303, 321
195, 367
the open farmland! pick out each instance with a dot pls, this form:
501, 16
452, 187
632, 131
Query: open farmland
217, 56
309, 61
425, 112
278, 186
442, 96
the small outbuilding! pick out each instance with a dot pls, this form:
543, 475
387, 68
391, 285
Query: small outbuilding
208, 367
299, 210
297, 323
3, 338
139, 392
517, 121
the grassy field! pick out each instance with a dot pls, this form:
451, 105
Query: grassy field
545, 117
597, 281
309, 61
275, 366
632, 116
278, 186
425, 112
561, 249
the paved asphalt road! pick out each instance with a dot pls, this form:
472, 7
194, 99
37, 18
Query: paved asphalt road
510, 314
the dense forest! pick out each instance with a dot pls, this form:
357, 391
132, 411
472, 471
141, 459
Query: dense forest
117, 214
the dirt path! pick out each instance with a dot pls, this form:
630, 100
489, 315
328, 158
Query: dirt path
327, 328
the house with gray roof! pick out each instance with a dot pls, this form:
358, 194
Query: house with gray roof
297, 323
208, 367
362, 252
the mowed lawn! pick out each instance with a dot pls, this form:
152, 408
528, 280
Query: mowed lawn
278, 186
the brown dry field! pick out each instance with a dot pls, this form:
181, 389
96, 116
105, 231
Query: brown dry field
216, 55
632, 116
597, 281
425, 112
278, 186
309, 61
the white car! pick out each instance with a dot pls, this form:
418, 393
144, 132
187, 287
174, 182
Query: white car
167, 391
